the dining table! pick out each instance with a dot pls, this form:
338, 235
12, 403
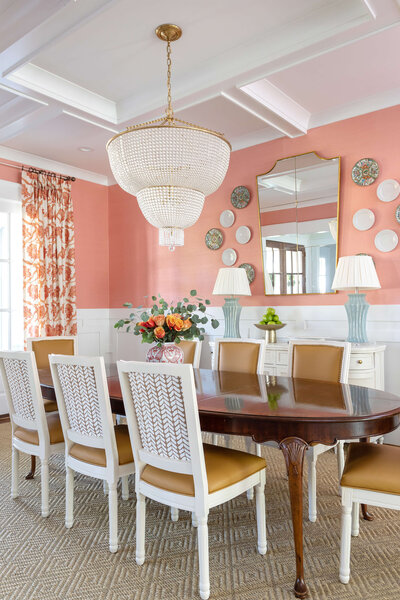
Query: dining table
295, 413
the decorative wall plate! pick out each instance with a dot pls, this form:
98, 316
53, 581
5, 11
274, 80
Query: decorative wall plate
398, 214
388, 190
365, 171
243, 234
386, 240
363, 219
229, 257
240, 197
249, 270
214, 239
227, 218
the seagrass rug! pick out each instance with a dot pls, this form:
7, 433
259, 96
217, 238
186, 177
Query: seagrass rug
41, 560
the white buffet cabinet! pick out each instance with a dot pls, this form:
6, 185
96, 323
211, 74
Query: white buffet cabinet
366, 362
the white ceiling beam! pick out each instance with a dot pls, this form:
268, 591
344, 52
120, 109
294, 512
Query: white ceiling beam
31, 117
63, 22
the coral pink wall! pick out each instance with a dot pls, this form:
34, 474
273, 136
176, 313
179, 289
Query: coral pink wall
90, 202
307, 213
138, 266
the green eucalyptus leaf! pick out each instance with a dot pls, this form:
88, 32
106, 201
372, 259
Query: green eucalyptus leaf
154, 298
201, 338
193, 292
128, 304
207, 302
214, 323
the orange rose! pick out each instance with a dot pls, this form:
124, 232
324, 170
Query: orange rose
159, 320
170, 319
178, 326
187, 323
159, 333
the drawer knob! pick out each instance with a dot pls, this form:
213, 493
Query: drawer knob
359, 361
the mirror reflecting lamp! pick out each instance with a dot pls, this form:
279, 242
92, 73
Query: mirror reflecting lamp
356, 273
232, 282
170, 165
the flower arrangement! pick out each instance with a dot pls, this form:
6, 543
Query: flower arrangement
171, 322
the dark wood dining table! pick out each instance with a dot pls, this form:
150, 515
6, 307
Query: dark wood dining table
295, 413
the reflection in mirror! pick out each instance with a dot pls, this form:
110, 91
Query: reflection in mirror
298, 202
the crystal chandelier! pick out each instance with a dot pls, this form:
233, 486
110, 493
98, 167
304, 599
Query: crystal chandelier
170, 165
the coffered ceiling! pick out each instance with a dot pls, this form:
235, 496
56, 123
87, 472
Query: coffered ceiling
75, 71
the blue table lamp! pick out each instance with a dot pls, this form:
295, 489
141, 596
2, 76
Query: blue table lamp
356, 273
231, 283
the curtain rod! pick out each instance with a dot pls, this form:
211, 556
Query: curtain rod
33, 170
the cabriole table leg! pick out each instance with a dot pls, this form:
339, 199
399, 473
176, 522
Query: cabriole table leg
293, 449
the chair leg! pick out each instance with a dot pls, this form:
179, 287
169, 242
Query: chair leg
174, 513
105, 487
202, 542
312, 486
140, 527
261, 525
14, 472
45, 486
113, 515
125, 487
355, 519
345, 542
195, 522
69, 498
340, 462
250, 494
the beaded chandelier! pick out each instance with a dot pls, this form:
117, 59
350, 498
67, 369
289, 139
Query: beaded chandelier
170, 165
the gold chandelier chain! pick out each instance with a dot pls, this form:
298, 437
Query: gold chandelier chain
170, 113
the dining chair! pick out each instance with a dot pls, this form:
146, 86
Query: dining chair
94, 446
33, 431
371, 476
191, 351
238, 355
321, 361
173, 466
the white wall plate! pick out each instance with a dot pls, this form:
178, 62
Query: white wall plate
388, 190
229, 257
227, 218
386, 240
243, 234
363, 219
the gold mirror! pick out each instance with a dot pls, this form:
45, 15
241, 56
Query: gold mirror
298, 201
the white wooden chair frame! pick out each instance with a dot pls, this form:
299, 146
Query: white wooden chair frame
313, 452
44, 449
199, 504
351, 500
49, 338
259, 342
112, 472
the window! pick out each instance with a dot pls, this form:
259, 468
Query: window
286, 267
11, 315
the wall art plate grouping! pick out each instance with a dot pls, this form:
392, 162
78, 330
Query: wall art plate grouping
229, 257
388, 190
397, 214
214, 239
363, 219
386, 240
249, 270
227, 218
240, 197
243, 234
365, 171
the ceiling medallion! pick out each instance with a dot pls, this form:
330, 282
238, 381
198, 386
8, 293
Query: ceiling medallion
170, 165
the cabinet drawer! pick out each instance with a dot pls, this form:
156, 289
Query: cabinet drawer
361, 361
366, 379
282, 358
282, 371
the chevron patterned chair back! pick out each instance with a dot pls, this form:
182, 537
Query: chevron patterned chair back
33, 432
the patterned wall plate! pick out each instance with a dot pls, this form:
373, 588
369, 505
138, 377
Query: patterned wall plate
240, 197
214, 239
365, 171
398, 214
249, 270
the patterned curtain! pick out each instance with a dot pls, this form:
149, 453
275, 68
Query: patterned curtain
48, 255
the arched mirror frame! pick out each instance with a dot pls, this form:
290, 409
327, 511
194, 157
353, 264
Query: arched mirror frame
337, 218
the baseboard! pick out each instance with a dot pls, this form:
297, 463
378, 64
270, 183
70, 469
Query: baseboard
4, 418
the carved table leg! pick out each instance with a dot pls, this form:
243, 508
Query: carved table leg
364, 508
293, 449
31, 473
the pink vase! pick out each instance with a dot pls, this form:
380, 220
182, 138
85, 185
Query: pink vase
167, 353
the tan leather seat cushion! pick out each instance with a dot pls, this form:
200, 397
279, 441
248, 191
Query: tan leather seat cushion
320, 362
32, 437
373, 467
239, 357
189, 349
224, 467
97, 456
49, 405
44, 347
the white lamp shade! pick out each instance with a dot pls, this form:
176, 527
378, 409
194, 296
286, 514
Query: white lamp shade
232, 282
356, 272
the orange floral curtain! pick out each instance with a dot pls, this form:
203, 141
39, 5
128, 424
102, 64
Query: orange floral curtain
48, 255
